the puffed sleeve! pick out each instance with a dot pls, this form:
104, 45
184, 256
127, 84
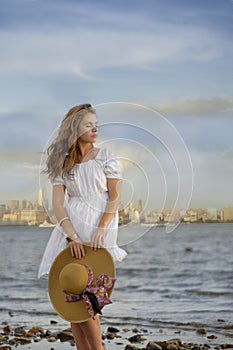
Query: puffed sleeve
112, 167
57, 181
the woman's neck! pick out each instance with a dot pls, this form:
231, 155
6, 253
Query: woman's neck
85, 148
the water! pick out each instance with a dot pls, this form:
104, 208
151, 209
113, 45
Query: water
160, 285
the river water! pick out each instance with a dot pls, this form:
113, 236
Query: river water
168, 283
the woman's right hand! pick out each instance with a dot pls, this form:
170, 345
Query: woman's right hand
77, 249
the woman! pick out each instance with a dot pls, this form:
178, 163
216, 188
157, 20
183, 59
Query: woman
91, 178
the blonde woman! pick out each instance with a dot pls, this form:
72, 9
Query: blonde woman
91, 178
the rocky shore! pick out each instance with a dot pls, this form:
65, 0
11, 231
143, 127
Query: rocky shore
114, 338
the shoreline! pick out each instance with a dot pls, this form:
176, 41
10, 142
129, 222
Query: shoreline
113, 337
160, 225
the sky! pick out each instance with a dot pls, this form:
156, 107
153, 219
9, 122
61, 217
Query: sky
157, 62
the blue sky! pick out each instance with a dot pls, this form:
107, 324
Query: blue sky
173, 56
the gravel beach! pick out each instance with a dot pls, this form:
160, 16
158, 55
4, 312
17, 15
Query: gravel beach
39, 338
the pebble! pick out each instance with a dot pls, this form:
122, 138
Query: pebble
226, 345
126, 330
189, 249
65, 335
113, 330
7, 330
175, 341
196, 347
2, 338
136, 339
172, 346
19, 331
135, 330
52, 339
36, 340
201, 331
212, 336
153, 346
110, 335
53, 322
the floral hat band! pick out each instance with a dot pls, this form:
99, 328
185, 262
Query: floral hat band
95, 293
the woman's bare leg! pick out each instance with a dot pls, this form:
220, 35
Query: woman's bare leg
80, 338
92, 331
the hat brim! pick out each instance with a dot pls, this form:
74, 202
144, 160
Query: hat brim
100, 261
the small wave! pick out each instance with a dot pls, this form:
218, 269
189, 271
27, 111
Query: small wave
208, 292
30, 312
11, 299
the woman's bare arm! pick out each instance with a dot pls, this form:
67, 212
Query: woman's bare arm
114, 190
58, 197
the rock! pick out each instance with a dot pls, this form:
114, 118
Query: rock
131, 347
212, 336
153, 346
136, 339
48, 333
65, 335
52, 339
23, 340
2, 339
205, 347
175, 341
7, 330
196, 347
226, 345
220, 320
12, 341
37, 339
72, 342
113, 330
172, 346
18, 331
135, 330
189, 249
53, 322
144, 330
201, 331
35, 331
126, 330
5, 347
110, 335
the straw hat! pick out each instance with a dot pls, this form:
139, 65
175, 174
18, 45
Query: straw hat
79, 288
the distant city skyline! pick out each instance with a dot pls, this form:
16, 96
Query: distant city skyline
175, 57
40, 214
135, 204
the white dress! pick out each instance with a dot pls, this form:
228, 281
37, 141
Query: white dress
87, 198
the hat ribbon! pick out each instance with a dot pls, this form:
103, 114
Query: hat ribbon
95, 294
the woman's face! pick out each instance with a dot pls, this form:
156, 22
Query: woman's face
88, 128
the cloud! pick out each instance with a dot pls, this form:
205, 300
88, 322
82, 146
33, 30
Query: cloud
84, 49
197, 107
28, 166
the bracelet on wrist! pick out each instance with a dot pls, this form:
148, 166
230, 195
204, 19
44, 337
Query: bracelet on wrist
63, 219
72, 237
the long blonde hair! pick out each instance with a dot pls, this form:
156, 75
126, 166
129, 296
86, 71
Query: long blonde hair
63, 152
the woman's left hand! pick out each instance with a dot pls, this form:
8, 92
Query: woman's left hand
98, 238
